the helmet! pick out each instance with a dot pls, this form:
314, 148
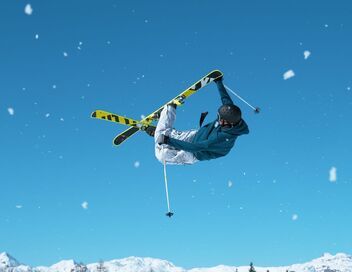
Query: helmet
230, 113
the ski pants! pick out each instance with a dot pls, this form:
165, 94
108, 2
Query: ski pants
168, 153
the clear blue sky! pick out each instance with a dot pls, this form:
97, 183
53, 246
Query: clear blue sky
130, 57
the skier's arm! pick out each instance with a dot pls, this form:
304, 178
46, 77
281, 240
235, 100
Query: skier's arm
225, 98
190, 147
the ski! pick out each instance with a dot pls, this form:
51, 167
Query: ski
135, 125
213, 75
177, 100
112, 117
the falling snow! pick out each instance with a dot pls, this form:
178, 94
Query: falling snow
138, 78
136, 164
85, 205
79, 47
333, 174
306, 54
11, 111
288, 74
28, 9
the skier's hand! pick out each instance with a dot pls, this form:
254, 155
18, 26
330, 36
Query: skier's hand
163, 139
219, 79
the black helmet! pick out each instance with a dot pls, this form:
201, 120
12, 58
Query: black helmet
230, 113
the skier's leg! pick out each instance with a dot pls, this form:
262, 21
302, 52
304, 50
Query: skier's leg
164, 126
184, 157
166, 121
165, 152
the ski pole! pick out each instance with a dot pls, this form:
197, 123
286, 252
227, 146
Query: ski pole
256, 109
169, 213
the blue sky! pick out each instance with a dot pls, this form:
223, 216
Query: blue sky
69, 58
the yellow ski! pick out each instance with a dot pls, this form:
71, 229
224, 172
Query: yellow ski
135, 125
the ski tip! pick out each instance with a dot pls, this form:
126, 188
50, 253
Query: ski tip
216, 71
257, 110
169, 214
119, 140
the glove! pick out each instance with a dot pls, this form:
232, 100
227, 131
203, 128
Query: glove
220, 79
163, 139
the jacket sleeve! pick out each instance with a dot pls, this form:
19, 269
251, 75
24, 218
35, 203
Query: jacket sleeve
190, 147
225, 98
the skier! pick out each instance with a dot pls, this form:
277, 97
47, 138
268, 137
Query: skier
211, 141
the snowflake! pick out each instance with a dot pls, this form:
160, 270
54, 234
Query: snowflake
306, 54
28, 9
85, 205
288, 74
332, 174
11, 111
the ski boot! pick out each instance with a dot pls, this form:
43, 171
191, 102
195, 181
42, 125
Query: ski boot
150, 130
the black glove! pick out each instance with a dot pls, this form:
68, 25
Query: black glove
219, 79
163, 139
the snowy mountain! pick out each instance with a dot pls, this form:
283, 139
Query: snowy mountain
10, 264
137, 265
7, 260
327, 263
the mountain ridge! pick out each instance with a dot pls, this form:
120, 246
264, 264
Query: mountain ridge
340, 262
